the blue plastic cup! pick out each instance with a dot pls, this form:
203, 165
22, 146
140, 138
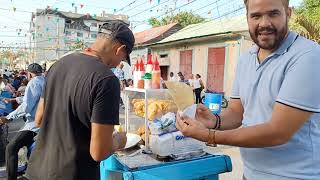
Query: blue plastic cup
213, 102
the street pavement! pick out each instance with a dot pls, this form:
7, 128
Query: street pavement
237, 168
14, 127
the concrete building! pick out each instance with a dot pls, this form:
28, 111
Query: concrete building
55, 33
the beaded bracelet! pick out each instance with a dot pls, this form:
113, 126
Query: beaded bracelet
218, 123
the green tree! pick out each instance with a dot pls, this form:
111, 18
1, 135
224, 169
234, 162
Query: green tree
310, 9
183, 18
304, 20
79, 44
6, 54
22, 54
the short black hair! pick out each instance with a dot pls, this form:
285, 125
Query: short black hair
284, 2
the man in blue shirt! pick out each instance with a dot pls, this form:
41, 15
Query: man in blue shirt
26, 110
119, 72
275, 100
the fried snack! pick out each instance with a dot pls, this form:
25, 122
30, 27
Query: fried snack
168, 106
141, 130
153, 110
156, 108
139, 105
119, 128
136, 100
139, 113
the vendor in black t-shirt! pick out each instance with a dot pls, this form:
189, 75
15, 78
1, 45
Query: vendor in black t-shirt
79, 107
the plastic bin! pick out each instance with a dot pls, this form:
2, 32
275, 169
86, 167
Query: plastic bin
213, 101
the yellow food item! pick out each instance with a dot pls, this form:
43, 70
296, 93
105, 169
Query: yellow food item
138, 105
156, 108
136, 100
141, 130
168, 106
119, 128
153, 110
139, 113
142, 133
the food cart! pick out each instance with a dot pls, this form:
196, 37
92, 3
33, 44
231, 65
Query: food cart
159, 155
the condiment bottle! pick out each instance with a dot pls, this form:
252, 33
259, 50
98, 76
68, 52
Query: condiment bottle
156, 75
149, 64
136, 74
147, 81
141, 75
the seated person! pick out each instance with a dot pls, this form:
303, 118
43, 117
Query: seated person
22, 88
8, 87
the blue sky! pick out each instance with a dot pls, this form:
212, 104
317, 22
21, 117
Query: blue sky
138, 11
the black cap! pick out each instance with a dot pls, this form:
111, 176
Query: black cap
35, 68
120, 31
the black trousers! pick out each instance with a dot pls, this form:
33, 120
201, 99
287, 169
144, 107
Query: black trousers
23, 138
197, 92
3, 143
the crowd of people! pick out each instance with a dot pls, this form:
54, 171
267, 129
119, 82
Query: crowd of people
14, 82
26, 89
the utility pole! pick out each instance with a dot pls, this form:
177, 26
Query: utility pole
174, 6
30, 50
58, 39
30, 44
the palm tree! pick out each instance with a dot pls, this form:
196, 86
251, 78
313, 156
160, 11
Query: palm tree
306, 27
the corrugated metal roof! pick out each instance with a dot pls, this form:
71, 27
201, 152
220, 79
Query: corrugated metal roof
156, 34
234, 24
